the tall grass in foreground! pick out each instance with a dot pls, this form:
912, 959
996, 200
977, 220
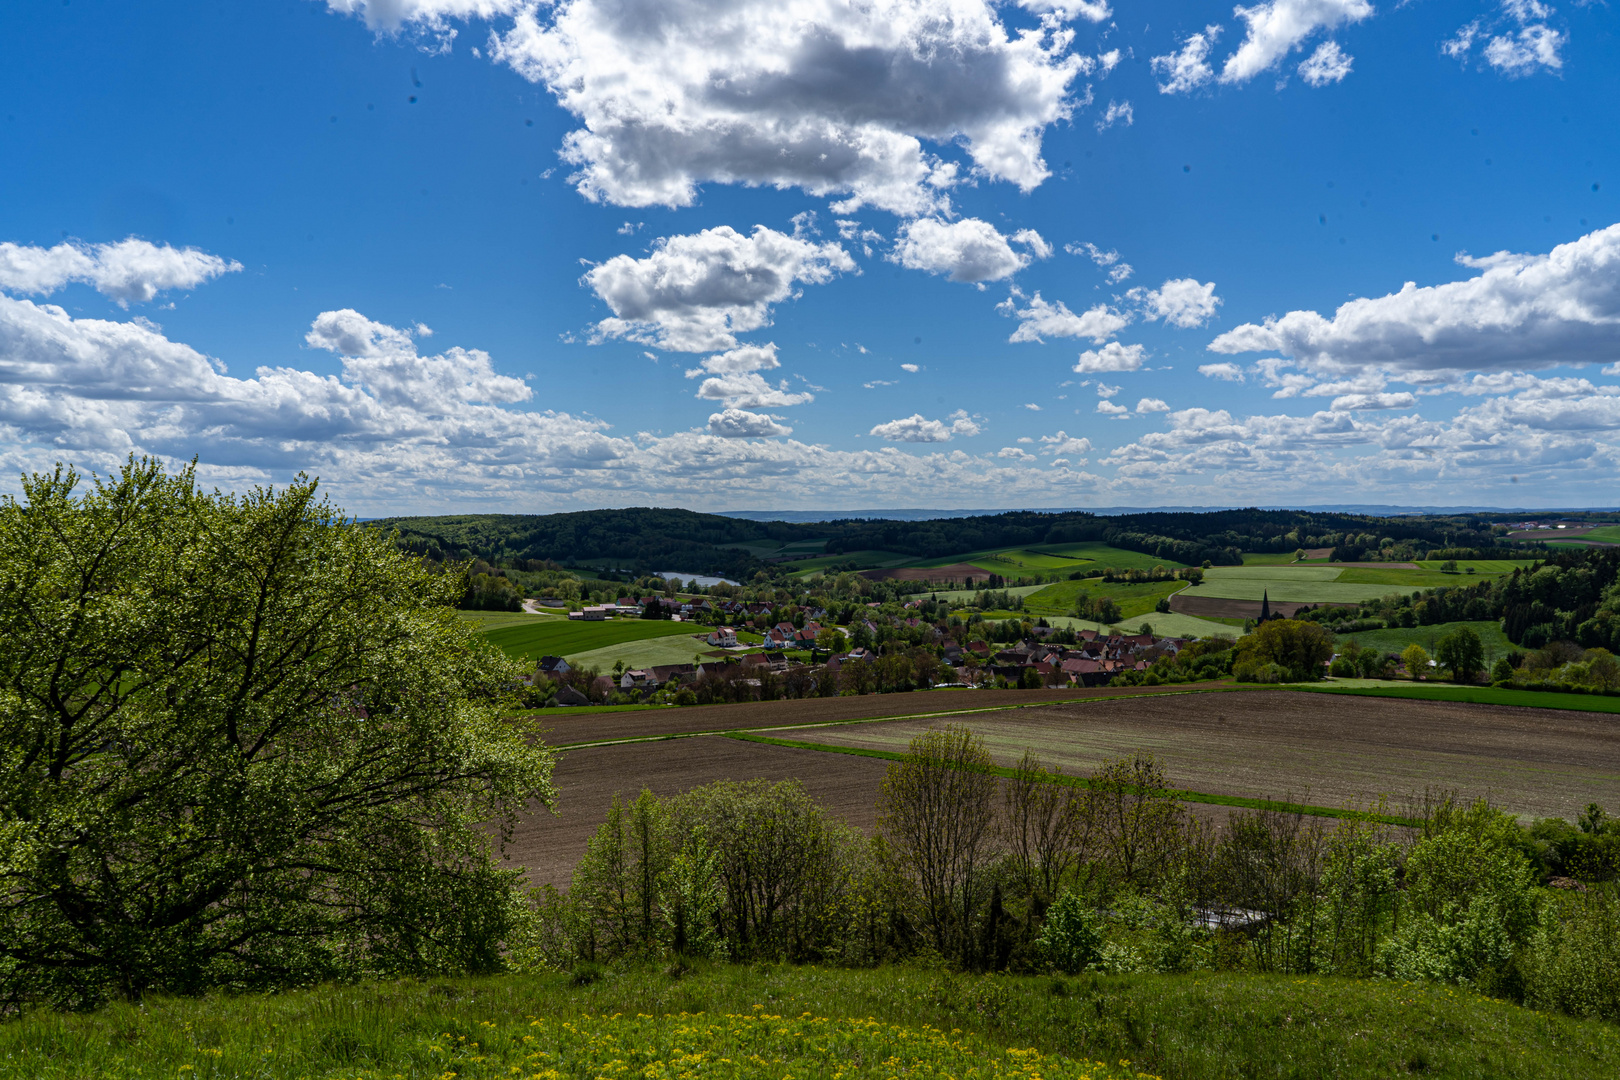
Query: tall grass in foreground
1180, 1027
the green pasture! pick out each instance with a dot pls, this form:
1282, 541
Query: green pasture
1100, 554
499, 620
866, 560
1607, 533
962, 596
1138, 599
649, 652
1408, 580
1394, 640
1164, 624
1291, 584
1199, 1026
1267, 558
1482, 566
567, 638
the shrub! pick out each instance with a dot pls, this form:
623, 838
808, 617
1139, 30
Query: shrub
1072, 939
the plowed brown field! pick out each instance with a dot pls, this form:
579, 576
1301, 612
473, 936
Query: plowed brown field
1327, 749
563, 727
1275, 744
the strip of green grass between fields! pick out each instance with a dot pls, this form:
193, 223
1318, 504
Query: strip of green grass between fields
1235, 801
666, 736
1476, 695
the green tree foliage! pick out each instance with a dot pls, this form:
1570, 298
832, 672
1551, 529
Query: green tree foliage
1461, 653
246, 744
936, 811
1298, 647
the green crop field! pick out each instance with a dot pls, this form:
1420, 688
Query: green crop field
1163, 624
1394, 640
1138, 599
566, 637
1267, 558
498, 620
962, 596
649, 652
1100, 554
1408, 580
1483, 566
1607, 533
1291, 584
1050, 558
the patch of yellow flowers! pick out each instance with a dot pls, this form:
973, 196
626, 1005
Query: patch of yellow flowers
699, 1046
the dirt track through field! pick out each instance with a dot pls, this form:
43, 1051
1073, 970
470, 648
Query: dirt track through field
1276, 744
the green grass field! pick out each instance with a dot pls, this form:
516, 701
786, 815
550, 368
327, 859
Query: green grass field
1203, 1026
1607, 533
1163, 623
1475, 695
866, 560
650, 652
1393, 641
499, 620
1408, 580
567, 638
1267, 558
1291, 584
959, 596
1482, 566
1133, 600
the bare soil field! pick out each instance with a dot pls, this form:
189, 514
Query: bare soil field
550, 846
587, 779
1218, 607
1277, 744
560, 727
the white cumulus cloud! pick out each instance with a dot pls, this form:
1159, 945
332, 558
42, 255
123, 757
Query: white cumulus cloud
835, 97
742, 358
1189, 68
1039, 320
967, 250
1111, 357
1328, 64
1278, 27
130, 271
749, 390
1519, 312
1180, 302
1226, 370
697, 292
740, 424
1151, 405
914, 428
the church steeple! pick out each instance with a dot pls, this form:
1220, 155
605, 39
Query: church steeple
1265, 605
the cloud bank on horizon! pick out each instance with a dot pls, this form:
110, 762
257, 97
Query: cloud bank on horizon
880, 270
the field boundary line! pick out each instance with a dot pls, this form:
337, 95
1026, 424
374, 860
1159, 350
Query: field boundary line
1237, 801
664, 737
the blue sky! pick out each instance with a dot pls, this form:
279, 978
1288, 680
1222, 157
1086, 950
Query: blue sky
460, 255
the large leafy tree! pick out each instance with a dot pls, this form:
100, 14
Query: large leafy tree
243, 742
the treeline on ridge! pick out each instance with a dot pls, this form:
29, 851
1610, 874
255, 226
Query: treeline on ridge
650, 539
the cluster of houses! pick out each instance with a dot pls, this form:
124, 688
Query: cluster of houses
1093, 660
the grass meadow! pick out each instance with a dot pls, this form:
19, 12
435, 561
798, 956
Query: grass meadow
697, 1019
1133, 599
566, 637
1475, 695
1394, 640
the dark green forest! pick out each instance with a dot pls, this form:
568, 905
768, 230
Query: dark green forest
650, 539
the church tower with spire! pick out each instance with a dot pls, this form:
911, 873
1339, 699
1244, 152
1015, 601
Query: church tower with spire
1265, 605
